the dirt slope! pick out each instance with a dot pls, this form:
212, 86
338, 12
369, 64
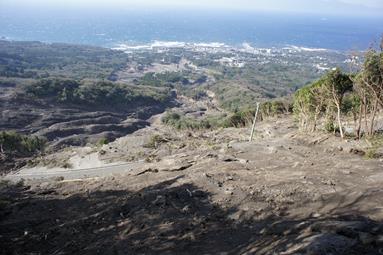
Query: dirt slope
207, 193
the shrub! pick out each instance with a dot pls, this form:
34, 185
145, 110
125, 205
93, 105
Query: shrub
12, 142
155, 141
240, 118
100, 93
103, 141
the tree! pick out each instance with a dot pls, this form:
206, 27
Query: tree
337, 84
309, 102
370, 80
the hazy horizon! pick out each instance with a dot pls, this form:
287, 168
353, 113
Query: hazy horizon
366, 8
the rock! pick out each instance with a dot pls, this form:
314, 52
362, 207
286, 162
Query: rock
186, 209
340, 148
59, 178
208, 175
328, 182
160, 200
229, 178
147, 170
229, 190
328, 243
347, 228
227, 158
366, 238
379, 239
176, 167
357, 152
243, 161
199, 193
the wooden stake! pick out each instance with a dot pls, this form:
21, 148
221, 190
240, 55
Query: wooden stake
253, 127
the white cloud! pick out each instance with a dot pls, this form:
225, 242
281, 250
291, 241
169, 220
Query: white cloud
366, 3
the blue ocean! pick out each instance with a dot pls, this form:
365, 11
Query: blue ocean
139, 27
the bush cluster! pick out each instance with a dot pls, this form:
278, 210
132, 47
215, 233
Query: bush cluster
14, 143
98, 93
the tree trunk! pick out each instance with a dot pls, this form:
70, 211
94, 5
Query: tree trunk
365, 118
315, 125
358, 133
339, 121
375, 108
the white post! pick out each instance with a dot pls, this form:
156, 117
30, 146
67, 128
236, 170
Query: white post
253, 127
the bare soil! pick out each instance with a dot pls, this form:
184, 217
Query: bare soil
209, 192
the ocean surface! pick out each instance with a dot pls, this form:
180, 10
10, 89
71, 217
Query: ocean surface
141, 27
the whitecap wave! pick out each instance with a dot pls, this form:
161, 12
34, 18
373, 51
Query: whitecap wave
300, 48
211, 46
168, 44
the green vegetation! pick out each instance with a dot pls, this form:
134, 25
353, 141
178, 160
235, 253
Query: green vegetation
376, 143
166, 79
14, 143
234, 96
275, 107
155, 141
239, 118
338, 95
96, 93
103, 141
179, 121
40, 60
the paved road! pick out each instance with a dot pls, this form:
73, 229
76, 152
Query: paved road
73, 173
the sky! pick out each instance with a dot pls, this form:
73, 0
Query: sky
341, 7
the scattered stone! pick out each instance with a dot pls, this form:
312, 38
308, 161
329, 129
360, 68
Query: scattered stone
328, 182
229, 192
